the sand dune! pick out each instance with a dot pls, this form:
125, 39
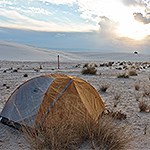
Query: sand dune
18, 52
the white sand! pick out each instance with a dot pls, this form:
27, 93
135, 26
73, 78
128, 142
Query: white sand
18, 52
11, 139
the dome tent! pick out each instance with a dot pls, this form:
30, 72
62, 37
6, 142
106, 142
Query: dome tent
45, 100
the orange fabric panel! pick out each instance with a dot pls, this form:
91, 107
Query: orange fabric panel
90, 97
53, 91
68, 108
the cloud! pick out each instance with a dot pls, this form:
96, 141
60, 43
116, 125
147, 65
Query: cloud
76, 15
5, 2
107, 27
17, 20
145, 3
34, 10
130, 2
139, 17
58, 2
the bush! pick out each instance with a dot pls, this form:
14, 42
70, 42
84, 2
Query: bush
137, 87
116, 99
103, 87
89, 69
119, 115
25, 75
124, 75
143, 106
132, 72
104, 135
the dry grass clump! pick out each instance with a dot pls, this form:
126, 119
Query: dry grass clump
104, 135
143, 106
137, 96
119, 115
146, 92
137, 87
116, 99
107, 135
123, 75
66, 135
103, 87
89, 69
132, 72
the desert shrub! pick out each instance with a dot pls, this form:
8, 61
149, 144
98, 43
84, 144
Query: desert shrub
78, 65
36, 69
7, 87
25, 75
103, 88
137, 87
15, 70
95, 65
143, 106
89, 69
122, 75
40, 67
85, 65
110, 63
67, 135
116, 99
146, 92
104, 135
119, 115
4, 84
137, 96
132, 72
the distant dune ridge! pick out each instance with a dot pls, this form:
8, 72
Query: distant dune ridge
17, 52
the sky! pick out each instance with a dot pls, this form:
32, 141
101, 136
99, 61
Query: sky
109, 24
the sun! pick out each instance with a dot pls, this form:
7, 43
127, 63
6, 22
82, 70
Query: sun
132, 29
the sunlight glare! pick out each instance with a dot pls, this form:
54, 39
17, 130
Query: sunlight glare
132, 29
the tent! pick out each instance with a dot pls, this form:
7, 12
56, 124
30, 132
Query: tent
46, 100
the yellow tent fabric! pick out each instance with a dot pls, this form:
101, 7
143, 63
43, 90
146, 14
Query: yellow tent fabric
47, 100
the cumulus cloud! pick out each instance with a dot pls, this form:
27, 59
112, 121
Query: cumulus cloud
130, 2
107, 26
137, 2
144, 19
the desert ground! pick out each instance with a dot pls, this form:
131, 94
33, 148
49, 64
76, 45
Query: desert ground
122, 80
122, 94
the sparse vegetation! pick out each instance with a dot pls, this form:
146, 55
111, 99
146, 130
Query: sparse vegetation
116, 99
123, 75
132, 72
127, 99
25, 75
104, 135
143, 106
119, 115
40, 67
137, 87
15, 70
146, 92
137, 96
103, 87
89, 69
